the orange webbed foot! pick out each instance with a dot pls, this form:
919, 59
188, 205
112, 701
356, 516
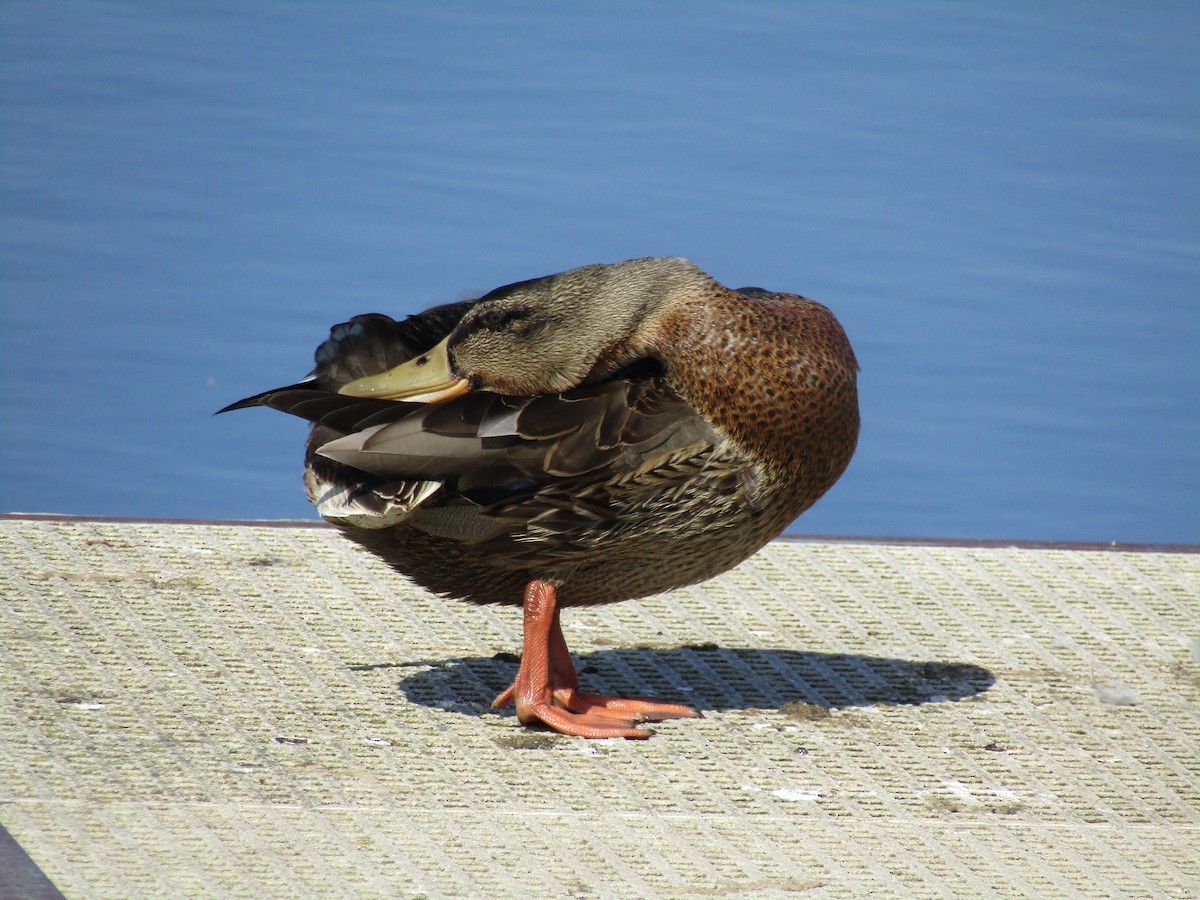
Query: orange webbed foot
546, 687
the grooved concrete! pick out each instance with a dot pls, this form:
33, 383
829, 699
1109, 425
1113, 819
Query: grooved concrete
191, 709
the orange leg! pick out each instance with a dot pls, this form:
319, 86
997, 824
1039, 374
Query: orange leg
546, 688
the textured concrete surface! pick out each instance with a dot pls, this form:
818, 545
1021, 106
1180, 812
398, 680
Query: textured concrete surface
263, 711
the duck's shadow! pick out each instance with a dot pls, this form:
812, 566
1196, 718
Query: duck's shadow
708, 677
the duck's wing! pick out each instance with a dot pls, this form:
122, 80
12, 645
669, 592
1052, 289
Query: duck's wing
476, 466
610, 426
544, 477
481, 440
483, 466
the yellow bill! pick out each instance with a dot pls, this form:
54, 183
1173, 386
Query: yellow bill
424, 379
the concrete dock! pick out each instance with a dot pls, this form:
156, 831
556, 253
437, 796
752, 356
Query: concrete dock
264, 710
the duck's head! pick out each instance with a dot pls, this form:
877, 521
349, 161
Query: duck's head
545, 335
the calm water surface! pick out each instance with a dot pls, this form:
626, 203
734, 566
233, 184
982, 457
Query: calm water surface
1001, 205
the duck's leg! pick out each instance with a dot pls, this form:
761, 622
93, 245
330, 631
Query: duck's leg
546, 688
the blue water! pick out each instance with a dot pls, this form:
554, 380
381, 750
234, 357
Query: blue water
1000, 202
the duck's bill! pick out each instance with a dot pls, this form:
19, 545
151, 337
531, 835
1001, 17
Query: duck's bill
424, 379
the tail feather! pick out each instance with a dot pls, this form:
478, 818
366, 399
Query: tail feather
336, 411
366, 345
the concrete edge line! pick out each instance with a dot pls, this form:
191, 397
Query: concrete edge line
1112, 547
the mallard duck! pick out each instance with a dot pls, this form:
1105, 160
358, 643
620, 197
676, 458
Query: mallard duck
597, 435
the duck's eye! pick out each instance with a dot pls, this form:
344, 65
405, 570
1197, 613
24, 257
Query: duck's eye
502, 319
494, 319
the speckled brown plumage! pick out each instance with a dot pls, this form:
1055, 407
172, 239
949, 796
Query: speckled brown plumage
593, 436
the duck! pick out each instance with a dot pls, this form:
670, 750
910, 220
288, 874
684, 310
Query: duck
597, 435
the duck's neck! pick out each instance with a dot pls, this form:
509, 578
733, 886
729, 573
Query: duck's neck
776, 375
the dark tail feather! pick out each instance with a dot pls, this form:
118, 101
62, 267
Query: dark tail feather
366, 345
264, 399
321, 407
